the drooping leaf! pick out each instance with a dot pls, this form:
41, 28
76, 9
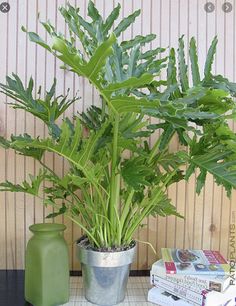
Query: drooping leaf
71, 146
217, 162
48, 109
61, 211
26, 151
31, 187
201, 179
163, 207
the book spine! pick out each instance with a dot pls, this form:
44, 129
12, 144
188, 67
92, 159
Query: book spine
195, 283
162, 301
193, 272
158, 301
180, 291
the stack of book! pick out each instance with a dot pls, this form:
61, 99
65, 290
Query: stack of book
192, 277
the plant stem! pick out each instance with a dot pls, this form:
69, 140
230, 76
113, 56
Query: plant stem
49, 169
84, 229
126, 208
115, 177
154, 150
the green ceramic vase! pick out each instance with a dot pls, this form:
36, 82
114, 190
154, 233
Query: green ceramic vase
47, 266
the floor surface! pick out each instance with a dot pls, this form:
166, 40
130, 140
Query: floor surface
12, 290
136, 292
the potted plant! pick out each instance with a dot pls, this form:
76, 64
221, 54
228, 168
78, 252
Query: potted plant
105, 192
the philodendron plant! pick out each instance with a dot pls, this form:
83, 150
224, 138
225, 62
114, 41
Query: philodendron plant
105, 192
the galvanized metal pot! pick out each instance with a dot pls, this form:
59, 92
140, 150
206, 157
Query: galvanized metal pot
105, 274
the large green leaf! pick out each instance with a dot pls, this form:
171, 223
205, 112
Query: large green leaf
34, 37
111, 19
93, 12
139, 39
131, 104
31, 187
98, 60
218, 162
26, 151
136, 173
71, 57
210, 57
166, 136
48, 109
132, 82
183, 68
194, 62
172, 76
126, 22
70, 145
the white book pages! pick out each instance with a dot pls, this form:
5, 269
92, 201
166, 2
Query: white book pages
163, 298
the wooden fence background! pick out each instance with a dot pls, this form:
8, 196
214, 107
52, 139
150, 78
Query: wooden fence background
208, 216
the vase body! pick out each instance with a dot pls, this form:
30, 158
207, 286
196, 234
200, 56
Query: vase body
105, 274
47, 266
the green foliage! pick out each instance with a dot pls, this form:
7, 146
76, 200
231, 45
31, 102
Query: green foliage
30, 188
182, 66
220, 162
194, 62
105, 191
209, 59
26, 151
48, 109
135, 172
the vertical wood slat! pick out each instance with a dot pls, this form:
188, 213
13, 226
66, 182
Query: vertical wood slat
163, 41
152, 222
41, 7
10, 155
30, 70
227, 42
208, 192
199, 200
173, 34
218, 191
20, 129
3, 72
190, 189
79, 84
207, 216
136, 29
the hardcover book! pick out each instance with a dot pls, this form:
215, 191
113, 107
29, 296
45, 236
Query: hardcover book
206, 298
164, 298
196, 282
185, 261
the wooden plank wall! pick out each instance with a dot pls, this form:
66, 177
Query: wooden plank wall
208, 216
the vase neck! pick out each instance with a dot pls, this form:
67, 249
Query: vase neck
47, 229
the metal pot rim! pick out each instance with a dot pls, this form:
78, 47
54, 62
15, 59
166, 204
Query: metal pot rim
105, 259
